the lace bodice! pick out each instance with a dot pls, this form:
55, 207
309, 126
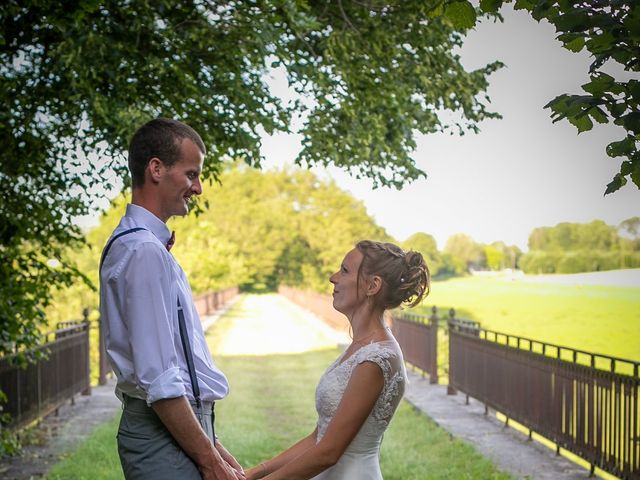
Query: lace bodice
388, 356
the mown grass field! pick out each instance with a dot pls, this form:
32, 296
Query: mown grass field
597, 319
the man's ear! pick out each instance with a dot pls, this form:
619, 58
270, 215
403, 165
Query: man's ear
155, 169
374, 285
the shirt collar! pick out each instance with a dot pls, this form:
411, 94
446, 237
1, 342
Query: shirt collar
143, 217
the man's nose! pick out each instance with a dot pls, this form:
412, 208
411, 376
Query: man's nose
196, 187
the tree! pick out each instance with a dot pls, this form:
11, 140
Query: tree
581, 247
427, 246
596, 235
466, 251
500, 256
610, 31
630, 227
76, 79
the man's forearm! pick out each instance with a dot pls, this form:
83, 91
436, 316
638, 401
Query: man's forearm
176, 414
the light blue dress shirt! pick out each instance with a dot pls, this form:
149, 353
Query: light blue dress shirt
140, 283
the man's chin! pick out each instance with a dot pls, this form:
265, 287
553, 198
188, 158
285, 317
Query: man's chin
181, 212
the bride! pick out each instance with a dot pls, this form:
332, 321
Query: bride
359, 393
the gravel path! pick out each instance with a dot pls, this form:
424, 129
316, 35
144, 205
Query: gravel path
271, 324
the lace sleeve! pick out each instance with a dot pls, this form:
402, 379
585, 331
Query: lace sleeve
391, 363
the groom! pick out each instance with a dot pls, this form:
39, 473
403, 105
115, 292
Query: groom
167, 381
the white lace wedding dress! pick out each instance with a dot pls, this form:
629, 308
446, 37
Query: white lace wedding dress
361, 459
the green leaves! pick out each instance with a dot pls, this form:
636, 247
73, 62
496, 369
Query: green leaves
621, 148
600, 84
578, 109
573, 42
461, 14
490, 6
617, 183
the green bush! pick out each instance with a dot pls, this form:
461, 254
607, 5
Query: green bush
538, 262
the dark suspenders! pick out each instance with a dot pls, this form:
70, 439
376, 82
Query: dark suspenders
184, 335
186, 345
113, 239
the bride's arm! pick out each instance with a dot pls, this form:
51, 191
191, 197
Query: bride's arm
264, 468
359, 397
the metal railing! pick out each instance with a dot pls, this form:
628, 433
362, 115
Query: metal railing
584, 402
209, 302
417, 336
424, 340
61, 373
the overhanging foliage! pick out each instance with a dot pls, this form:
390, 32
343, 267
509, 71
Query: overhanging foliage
78, 77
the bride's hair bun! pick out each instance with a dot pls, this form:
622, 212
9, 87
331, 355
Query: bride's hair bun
405, 275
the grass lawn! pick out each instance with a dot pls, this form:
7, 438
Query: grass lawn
597, 319
95, 459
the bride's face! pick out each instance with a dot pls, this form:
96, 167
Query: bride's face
345, 283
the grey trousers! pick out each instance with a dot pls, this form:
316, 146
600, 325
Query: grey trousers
146, 448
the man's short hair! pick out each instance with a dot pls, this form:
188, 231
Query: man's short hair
161, 138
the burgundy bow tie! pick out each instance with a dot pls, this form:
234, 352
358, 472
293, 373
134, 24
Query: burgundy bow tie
171, 242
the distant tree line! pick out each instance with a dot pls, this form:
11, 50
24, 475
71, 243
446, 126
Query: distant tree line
261, 229
588, 247
461, 254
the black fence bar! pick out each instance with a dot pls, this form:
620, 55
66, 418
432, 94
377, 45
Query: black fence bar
584, 402
41, 387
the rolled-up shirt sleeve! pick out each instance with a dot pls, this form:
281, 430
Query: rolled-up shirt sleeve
149, 307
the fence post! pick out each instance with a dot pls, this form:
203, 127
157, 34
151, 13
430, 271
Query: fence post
452, 317
433, 348
102, 359
85, 319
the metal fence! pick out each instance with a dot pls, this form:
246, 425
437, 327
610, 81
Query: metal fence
60, 373
584, 402
209, 302
417, 336
424, 340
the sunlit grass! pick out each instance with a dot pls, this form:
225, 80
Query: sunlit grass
597, 319
94, 459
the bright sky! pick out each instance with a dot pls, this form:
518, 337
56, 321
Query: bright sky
520, 172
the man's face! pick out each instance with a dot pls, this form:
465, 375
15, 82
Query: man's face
181, 180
